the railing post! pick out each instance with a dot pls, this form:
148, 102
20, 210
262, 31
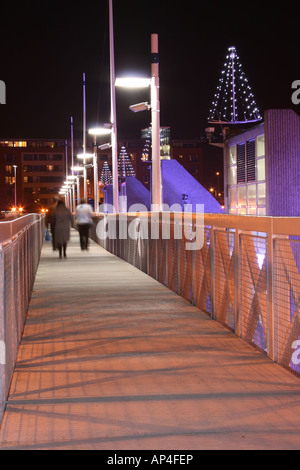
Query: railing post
167, 264
212, 271
2, 340
270, 281
178, 254
237, 281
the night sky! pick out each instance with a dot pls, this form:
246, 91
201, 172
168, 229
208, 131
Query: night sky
46, 46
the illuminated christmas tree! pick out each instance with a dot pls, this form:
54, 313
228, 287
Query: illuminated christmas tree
234, 101
106, 176
125, 165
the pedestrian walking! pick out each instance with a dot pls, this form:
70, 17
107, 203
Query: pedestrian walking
62, 221
50, 221
83, 218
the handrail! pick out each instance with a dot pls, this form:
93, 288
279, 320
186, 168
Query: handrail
20, 246
265, 224
10, 228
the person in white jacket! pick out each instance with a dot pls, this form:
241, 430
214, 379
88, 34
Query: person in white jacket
83, 218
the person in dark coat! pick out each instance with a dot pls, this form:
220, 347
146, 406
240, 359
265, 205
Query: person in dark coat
50, 221
62, 221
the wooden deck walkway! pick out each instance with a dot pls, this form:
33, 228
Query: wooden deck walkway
110, 359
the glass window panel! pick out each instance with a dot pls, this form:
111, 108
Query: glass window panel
260, 146
251, 190
261, 194
232, 175
261, 169
261, 211
232, 155
242, 211
232, 197
232, 210
242, 195
251, 210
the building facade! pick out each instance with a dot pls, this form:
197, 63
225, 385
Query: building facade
261, 167
32, 172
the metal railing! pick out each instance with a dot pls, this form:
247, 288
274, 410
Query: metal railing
246, 275
20, 246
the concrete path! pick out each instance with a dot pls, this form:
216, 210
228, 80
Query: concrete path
110, 359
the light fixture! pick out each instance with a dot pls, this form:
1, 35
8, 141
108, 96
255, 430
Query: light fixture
136, 108
77, 168
104, 146
83, 156
100, 131
133, 82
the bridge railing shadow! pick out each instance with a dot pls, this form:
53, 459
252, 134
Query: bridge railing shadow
243, 271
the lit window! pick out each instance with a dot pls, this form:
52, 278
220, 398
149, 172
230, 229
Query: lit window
261, 169
251, 210
232, 155
251, 189
261, 194
242, 195
232, 197
261, 211
260, 146
20, 144
232, 175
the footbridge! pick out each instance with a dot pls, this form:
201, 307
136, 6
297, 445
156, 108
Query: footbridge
171, 331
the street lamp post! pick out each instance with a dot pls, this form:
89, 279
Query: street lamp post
72, 159
155, 118
78, 169
96, 183
114, 140
71, 180
98, 131
84, 156
15, 176
66, 188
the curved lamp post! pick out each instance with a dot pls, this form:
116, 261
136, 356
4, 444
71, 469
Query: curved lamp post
84, 157
97, 132
153, 82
